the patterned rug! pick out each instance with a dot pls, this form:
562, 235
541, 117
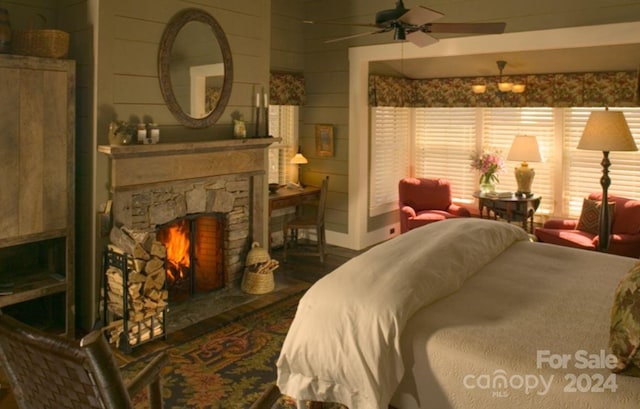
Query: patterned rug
230, 367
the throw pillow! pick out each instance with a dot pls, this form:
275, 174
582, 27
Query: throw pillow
590, 216
624, 335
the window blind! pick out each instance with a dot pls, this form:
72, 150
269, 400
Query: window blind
444, 140
501, 125
283, 123
438, 142
389, 162
582, 170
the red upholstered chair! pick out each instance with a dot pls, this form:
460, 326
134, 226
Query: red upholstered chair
424, 201
625, 229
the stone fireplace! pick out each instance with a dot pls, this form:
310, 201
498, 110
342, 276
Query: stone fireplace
211, 194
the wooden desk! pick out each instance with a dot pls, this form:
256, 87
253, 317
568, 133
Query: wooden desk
292, 197
514, 208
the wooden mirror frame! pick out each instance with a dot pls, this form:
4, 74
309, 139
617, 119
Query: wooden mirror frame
164, 55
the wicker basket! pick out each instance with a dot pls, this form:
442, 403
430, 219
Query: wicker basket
41, 43
257, 283
257, 255
48, 43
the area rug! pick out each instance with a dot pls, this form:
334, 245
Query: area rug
229, 367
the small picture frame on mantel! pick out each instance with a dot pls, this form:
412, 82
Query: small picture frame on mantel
324, 140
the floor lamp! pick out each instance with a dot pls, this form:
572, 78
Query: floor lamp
606, 131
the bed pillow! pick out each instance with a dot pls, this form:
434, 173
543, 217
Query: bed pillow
624, 335
590, 216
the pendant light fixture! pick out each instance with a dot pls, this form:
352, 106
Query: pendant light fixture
503, 85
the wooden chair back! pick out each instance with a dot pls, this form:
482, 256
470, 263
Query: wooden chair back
49, 371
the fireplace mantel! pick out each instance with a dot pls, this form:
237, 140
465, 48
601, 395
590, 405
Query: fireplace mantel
162, 149
136, 165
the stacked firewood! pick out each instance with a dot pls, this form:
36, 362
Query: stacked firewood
147, 297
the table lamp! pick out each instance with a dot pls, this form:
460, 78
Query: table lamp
299, 160
525, 149
606, 131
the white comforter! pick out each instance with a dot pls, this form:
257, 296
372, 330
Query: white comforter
344, 343
479, 347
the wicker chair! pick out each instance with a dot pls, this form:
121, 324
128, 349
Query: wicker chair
292, 227
49, 371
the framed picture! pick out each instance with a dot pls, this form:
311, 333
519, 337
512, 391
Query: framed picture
324, 140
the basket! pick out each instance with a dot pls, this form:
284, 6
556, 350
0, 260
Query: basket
257, 283
48, 43
257, 255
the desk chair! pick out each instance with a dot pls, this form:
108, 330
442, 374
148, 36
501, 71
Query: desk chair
292, 227
49, 371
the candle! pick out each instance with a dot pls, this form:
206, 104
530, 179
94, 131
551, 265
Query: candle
266, 100
258, 100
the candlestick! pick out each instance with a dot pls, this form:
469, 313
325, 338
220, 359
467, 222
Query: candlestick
266, 114
257, 132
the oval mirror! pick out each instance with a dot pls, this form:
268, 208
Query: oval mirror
195, 68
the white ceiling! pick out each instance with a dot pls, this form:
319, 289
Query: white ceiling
590, 59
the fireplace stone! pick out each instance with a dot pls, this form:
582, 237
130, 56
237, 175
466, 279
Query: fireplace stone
152, 185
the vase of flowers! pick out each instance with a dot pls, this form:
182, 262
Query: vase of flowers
489, 164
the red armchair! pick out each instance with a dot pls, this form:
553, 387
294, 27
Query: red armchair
625, 229
424, 201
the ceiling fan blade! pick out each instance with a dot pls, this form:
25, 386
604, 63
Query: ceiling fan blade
338, 23
333, 40
421, 39
419, 16
479, 28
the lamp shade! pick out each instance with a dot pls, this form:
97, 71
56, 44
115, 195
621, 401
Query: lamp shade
607, 131
299, 159
525, 149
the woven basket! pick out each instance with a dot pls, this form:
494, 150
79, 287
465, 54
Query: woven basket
257, 283
41, 43
257, 255
48, 43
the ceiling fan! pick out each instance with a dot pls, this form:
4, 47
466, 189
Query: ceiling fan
415, 25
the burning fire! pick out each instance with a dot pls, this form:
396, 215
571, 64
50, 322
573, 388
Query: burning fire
176, 240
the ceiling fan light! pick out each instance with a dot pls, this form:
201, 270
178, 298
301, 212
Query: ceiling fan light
518, 88
478, 88
399, 34
505, 86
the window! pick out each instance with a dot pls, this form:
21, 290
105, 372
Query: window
582, 170
389, 156
500, 127
438, 142
444, 140
283, 123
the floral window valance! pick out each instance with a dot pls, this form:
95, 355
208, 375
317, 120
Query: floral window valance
549, 90
286, 88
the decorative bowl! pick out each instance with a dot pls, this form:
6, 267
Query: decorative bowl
273, 187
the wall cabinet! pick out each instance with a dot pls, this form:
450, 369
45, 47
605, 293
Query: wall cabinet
37, 156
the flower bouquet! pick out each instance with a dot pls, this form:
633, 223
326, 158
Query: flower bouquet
489, 164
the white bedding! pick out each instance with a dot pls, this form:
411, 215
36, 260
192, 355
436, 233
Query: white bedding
534, 297
344, 343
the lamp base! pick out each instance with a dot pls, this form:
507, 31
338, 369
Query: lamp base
524, 177
523, 194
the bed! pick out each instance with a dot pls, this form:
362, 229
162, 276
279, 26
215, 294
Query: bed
463, 313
